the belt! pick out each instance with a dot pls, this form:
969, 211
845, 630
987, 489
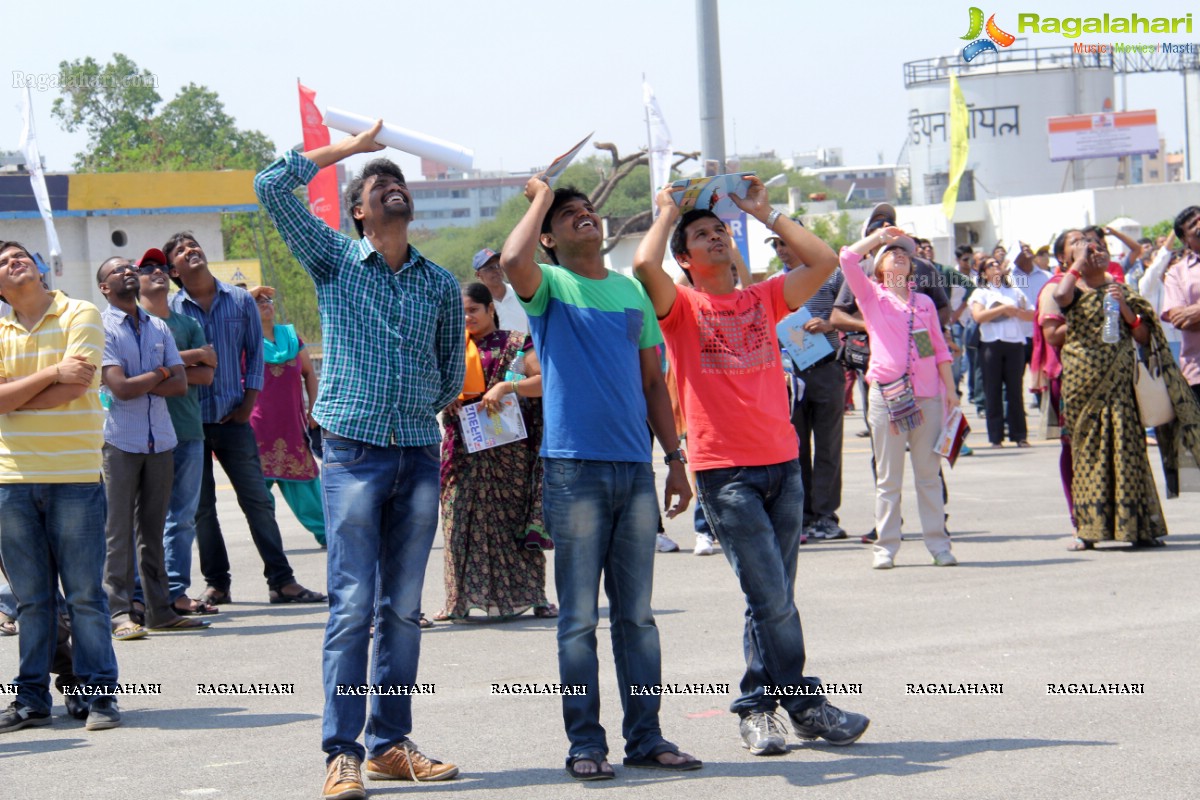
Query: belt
820, 362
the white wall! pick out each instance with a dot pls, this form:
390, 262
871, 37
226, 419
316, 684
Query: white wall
87, 241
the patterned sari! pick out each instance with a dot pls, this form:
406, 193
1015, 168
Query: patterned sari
492, 506
1113, 487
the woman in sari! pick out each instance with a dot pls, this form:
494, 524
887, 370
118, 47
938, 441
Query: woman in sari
281, 418
1112, 486
492, 498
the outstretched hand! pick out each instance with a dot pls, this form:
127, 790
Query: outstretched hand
365, 142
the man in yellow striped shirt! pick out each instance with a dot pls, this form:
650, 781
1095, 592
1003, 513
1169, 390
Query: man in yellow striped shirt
52, 504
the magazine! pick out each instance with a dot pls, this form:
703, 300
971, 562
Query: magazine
559, 165
712, 193
804, 348
483, 430
954, 433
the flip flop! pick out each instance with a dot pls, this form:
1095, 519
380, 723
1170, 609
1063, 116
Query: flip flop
8, 625
548, 611
182, 624
652, 762
128, 631
1078, 545
596, 758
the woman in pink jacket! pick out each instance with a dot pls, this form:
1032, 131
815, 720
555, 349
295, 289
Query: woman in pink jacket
912, 389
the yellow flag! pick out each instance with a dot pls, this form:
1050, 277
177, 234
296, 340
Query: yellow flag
958, 146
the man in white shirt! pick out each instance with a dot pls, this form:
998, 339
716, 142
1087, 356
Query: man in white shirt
487, 270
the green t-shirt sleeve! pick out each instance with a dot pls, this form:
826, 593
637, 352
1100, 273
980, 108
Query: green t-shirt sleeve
651, 333
536, 305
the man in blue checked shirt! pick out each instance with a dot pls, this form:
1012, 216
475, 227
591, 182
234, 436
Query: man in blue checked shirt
141, 368
394, 357
231, 324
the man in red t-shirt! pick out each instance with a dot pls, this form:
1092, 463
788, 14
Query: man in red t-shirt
722, 344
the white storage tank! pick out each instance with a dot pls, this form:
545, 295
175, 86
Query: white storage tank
1009, 96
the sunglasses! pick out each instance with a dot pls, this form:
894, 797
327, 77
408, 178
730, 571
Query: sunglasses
150, 269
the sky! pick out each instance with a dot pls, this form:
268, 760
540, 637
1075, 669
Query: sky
520, 82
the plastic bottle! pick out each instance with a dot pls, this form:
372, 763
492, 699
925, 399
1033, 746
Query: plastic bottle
516, 370
1112, 320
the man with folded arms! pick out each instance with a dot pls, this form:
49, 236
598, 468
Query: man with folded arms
141, 368
51, 497
721, 341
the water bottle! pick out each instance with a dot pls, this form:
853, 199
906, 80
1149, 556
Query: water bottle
106, 398
1112, 320
516, 370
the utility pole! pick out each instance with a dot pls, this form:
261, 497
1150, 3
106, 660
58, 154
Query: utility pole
712, 111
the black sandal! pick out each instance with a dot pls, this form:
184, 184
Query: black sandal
652, 762
597, 758
302, 596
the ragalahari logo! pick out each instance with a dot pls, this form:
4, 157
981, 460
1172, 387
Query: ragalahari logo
995, 36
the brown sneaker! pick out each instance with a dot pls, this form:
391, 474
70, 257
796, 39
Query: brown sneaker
343, 780
405, 763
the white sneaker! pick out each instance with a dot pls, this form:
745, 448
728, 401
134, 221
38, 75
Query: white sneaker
883, 561
665, 544
704, 545
945, 559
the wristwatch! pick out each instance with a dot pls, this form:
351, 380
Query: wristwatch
675, 455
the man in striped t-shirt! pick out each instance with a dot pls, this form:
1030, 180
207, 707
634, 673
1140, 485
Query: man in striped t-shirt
52, 503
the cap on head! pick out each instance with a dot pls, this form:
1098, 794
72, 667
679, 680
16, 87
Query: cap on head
152, 256
483, 257
881, 211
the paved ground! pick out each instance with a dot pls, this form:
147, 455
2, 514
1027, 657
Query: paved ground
1020, 611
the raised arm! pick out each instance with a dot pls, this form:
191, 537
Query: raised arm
309, 239
819, 259
518, 255
1132, 245
647, 261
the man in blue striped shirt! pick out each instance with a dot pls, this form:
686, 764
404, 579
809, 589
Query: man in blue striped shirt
141, 368
394, 356
231, 324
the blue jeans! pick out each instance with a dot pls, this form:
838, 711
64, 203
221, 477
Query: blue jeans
235, 448
180, 530
51, 532
757, 513
381, 510
602, 516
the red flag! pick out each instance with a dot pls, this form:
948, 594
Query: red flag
323, 196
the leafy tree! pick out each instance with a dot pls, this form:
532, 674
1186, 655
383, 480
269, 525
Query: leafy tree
836, 231
115, 104
112, 103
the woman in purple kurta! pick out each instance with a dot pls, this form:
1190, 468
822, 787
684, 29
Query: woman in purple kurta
281, 418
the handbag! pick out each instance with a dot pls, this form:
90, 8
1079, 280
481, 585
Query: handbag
898, 396
855, 352
1150, 386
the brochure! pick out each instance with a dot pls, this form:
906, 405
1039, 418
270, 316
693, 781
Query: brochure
950, 440
805, 348
711, 193
559, 165
483, 430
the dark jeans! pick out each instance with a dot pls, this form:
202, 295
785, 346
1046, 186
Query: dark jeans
756, 513
234, 446
601, 515
1003, 369
817, 418
53, 533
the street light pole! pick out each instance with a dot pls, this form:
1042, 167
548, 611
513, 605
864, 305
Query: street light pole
712, 112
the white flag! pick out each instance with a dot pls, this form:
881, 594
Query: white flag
33, 162
660, 144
